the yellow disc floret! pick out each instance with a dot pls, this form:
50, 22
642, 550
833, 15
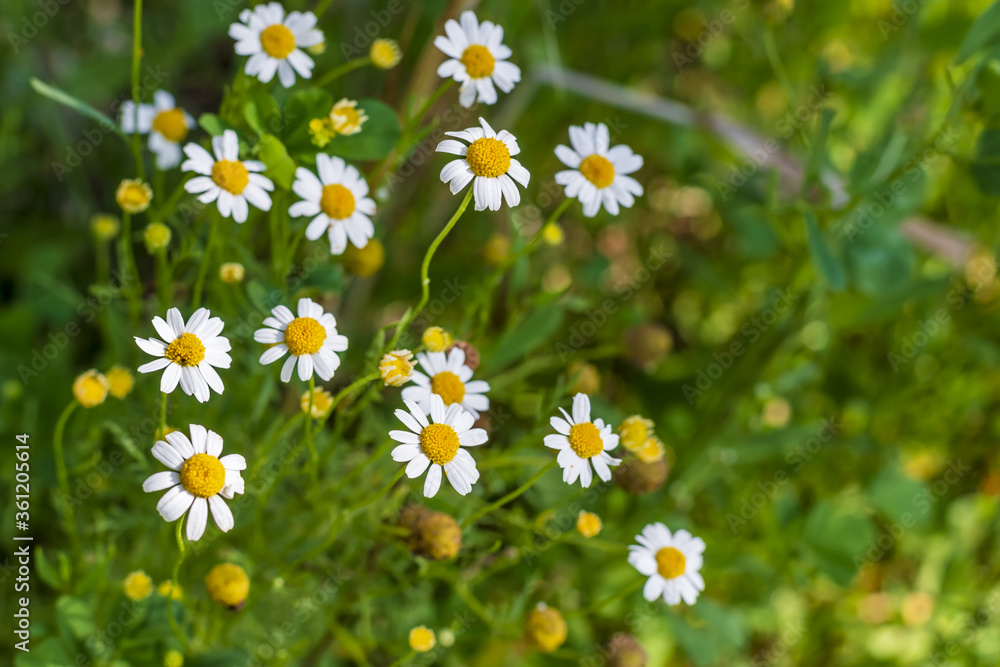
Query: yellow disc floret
277, 41
304, 336
449, 387
229, 584
337, 201
171, 124
322, 401
90, 388
385, 53
488, 157
670, 562
478, 61
186, 350
634, 431
138, 585
203, 475
133, 195
585, 440
436, 339
651, 451
120, 381
588, 524
439, 443
396, 367
598, 170
231, 176
346, 118
422, 639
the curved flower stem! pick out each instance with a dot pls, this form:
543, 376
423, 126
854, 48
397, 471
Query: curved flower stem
425, 281
338, 72
163, 415
509, 497
173, 583
136, 91
199, 284
57, 445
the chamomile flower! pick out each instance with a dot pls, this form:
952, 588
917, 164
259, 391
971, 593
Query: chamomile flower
477, 59
582, 442
438, 444
339, 201
346, 118
274, 42
597, 173
671, 561
487, 161
311, 338
450, 378
226, 178
166, 124
196, 480
190, 353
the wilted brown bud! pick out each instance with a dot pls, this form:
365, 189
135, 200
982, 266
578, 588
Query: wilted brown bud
648, 344
545, 628
624, 651
639, 478
584, 378
433, 535
471, 353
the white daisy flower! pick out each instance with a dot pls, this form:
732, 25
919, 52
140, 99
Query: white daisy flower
339, 200
227, 179
274, 42
477, 59
196, 480
190, 353
448, 377
597, 173
581, 443
438, 442
166, 124
311, 337
670, 561
489, 160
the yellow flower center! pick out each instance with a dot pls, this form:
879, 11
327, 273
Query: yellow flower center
230, 175
138, 585
203, 475
337, 201
346, 118
304, 336
171, 124
277, 41
598, 170
652, 451
385, 53
228, 583
187, 350
133, 196
488, 157
422, 639
396, 367
588, 524
585, 440
439, 443
478, 61
670, 563
447, 385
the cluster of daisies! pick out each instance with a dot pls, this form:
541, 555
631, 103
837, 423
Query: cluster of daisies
443, 402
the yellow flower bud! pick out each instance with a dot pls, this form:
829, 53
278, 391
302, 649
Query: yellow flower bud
90, 388
231, 272
437, 339
138, 585
552, 234
584, 378
166, 588
322, 401
634, 431
651, 451
229, 584
385, 53
422, 639
545, 628
104, 227
157, 237
173, 659
588, 524
133, 195
120, 381
396, 367
364, 262
346, 118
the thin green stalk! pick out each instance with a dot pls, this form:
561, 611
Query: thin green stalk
338, 72
425, 281
405, 659
136, 96
181, 637
163, 282
57, 445
130, 272
313, 456
206, 259
530, 245
509, 497
163, 414
600, 604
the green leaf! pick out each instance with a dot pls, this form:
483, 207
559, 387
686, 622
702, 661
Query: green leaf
377, 138
232, 657
302, 107
984, 31
75, 616
840, 539
985, 167
895, 495
46, 653
263, 114
80, 107
532, 332
213, 124
826, 262
280, 167
46, 571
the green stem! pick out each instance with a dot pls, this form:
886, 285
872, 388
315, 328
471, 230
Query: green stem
199, 284
530, 246
405, 659
625, 592
163, 281
338, 72
173, 584
57, 446
130, 273
136, 96
313, 456
163, 415
425, 281
509, 497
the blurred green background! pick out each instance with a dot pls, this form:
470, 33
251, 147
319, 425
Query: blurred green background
804, 301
